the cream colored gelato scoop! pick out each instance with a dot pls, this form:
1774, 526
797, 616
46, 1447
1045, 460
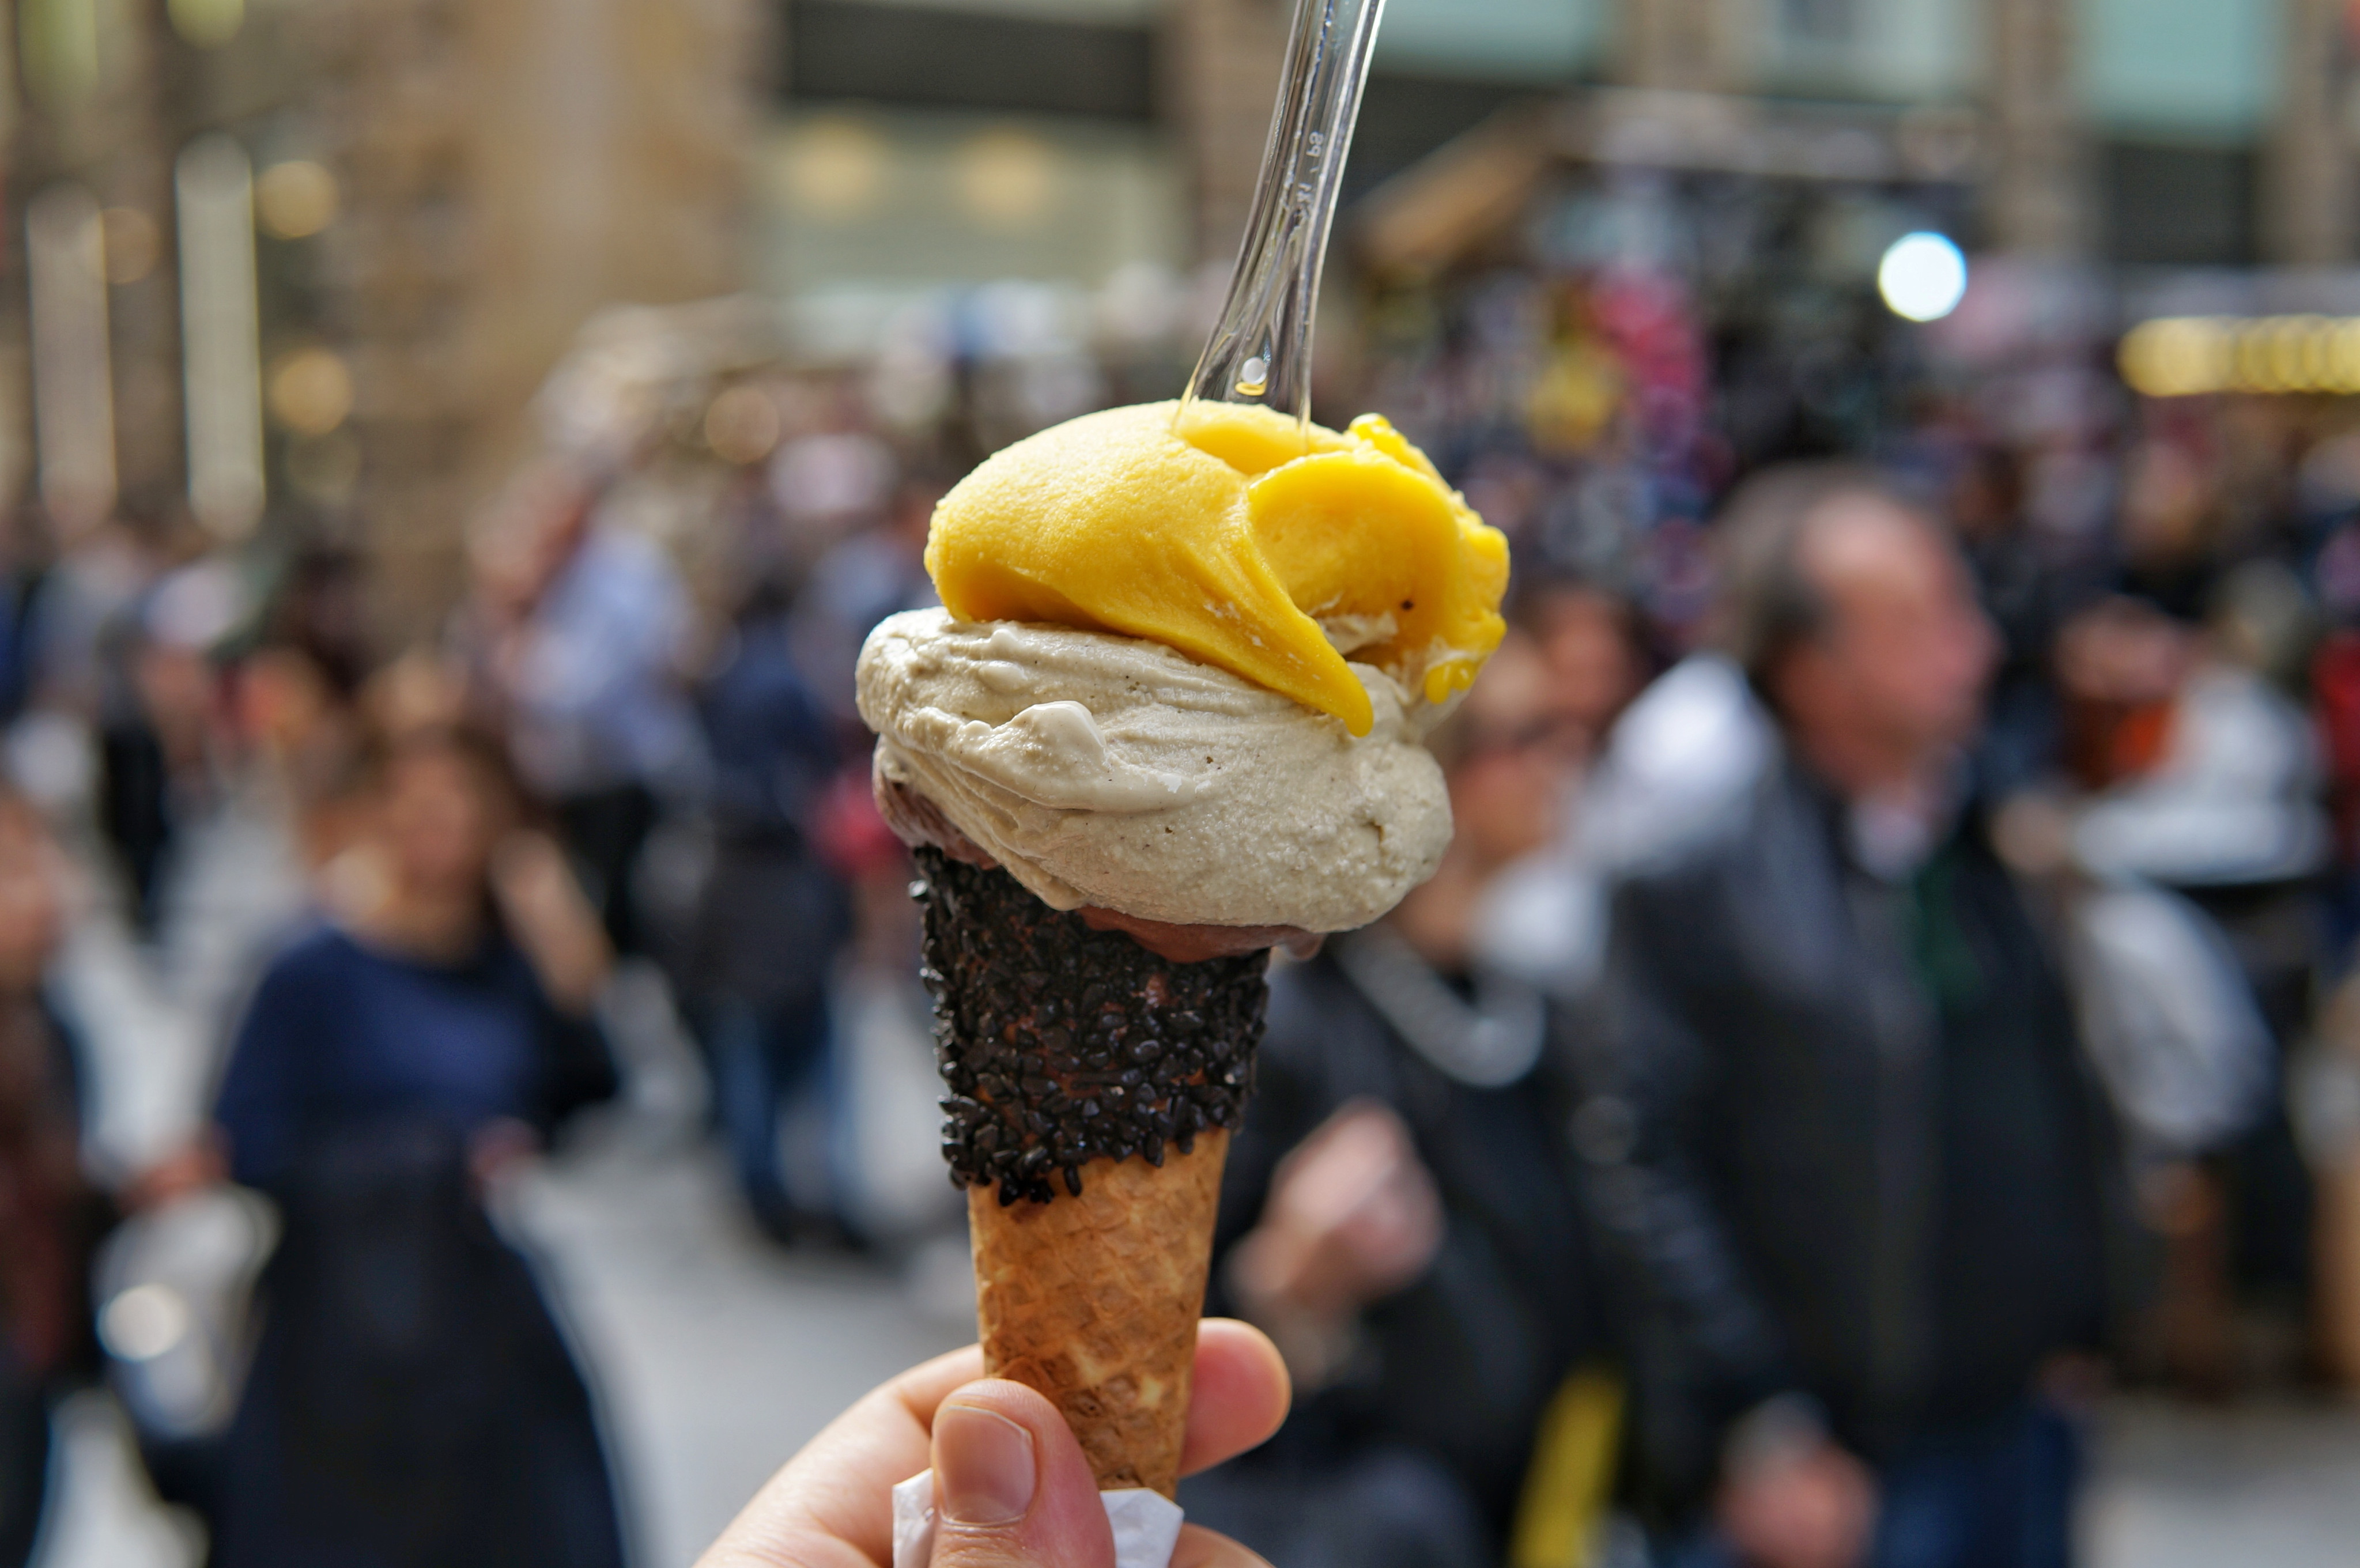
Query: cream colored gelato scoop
1114, 772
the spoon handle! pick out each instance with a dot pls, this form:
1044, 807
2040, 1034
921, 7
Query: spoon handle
1260, 350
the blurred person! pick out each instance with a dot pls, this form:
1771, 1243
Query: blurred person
2203, 773
584, 626
87, 592
1844, 1136
256, 745
859, 581
322, 608
28, 582
1652, 761
2204, 778
1595, 644
165, 741
1012, 1487
298, 700
410, 1399
421, 690
50, 1219
770, 923
1398, 1211
2020, 587
2119, 664
2333, 1143
303, 723
133, 804
2170, 527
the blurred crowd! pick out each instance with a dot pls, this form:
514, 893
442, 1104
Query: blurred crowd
1889, 984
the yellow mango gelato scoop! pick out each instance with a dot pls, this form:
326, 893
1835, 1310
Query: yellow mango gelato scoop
1228, 540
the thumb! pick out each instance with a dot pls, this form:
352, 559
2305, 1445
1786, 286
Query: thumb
1012, 1488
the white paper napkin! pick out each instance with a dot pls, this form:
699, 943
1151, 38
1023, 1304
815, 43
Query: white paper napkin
1146, 1525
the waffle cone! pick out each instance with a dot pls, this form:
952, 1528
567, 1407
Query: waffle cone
1094, 1302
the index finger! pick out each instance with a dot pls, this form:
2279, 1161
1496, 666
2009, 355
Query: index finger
1239, 1396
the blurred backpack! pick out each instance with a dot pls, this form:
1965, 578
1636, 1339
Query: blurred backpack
2167, 1018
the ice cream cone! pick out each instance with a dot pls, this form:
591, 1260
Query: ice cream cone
1170, 713
1094, 1302
1094, 1085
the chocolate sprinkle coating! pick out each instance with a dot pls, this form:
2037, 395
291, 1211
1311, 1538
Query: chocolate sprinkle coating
1062, 1045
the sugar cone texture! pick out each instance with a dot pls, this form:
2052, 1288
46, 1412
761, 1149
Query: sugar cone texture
1093, 1088
1094, 1302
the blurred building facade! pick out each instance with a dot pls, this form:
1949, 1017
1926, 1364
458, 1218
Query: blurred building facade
513, 167
2139, 131
429, 200
442, 193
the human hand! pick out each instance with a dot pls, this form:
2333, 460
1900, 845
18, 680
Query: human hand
1809, 1506
551, 920
1012, 1487
1352, 1217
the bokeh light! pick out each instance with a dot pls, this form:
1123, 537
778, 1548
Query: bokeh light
143, 1321
742, 425
57, 41
1923, 276
311, 391
1006, 178
834, 167
2190, 356
131, 244
295, 199
207, 24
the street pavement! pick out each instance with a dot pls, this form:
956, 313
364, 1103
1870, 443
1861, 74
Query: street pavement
2268, 1485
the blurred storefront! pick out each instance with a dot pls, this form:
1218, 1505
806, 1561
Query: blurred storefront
963, 195
342, 242
1604, 306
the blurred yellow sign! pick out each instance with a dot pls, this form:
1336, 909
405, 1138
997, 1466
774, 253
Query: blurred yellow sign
2185, 356
207, 24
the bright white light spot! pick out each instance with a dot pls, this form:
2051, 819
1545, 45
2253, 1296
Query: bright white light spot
1923, 276
143, 1321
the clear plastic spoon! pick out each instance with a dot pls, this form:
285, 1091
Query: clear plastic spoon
1260, 349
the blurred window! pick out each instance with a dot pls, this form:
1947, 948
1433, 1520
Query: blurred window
1138, 13
955, 58
1403, 118
1539, 41
2178, 205
901, 199
2181, 67
62, 47
1887, 51
1820, 21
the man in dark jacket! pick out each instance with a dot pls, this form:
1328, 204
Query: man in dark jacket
1844, 1136
50, 1218
1400, 1215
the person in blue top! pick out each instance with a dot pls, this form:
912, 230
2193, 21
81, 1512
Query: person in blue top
770, 922
411, 1402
